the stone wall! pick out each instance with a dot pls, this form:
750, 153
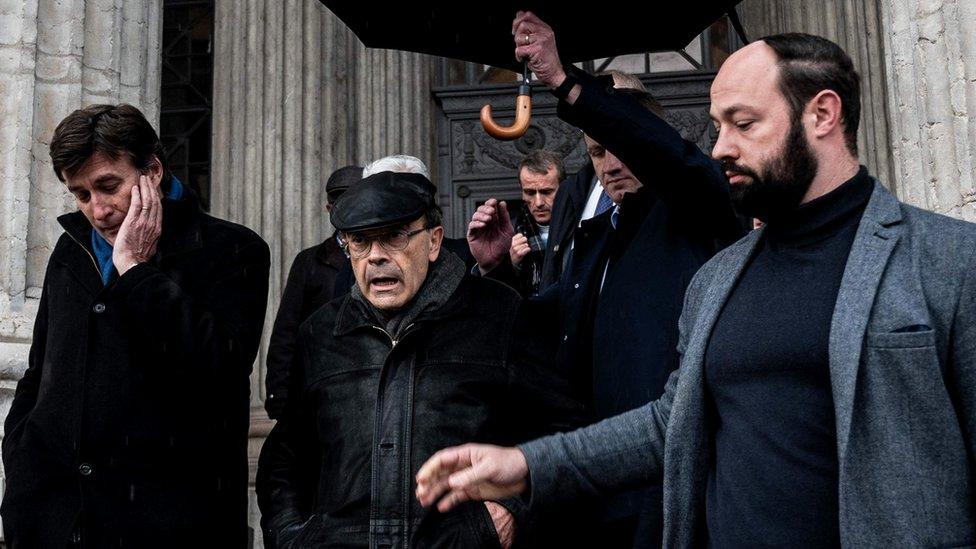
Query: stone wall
930, 59
55, 56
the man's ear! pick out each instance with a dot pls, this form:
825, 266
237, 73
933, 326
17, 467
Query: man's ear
155, 171
827, 109
436, 239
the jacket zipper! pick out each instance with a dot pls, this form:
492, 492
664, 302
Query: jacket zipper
90, 256
393, 344
393, 341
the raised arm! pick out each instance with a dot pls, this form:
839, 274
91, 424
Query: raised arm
676, 169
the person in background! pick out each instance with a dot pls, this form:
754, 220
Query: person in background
311, 283
580, 197
617, 303
539, 175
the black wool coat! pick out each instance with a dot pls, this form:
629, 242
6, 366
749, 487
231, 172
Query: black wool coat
567, 208
129, 427
620, 297
311, 284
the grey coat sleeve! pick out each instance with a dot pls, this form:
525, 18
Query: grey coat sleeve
610, 456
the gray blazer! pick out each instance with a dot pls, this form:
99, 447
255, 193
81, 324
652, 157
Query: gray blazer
903, 378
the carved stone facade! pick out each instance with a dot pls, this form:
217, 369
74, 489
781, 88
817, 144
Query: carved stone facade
296, 96
473, 167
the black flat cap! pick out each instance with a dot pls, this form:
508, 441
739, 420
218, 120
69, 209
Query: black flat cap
340, 181
382, 200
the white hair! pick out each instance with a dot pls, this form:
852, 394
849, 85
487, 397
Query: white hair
400, 163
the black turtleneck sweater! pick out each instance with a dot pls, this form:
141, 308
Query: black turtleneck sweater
773, 475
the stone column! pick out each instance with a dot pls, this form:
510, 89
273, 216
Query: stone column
856, 26
930, 59
56, 56
296, 96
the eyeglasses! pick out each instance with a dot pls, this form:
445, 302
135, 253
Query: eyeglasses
393, 241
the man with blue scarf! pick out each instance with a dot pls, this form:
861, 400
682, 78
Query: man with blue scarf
129, 427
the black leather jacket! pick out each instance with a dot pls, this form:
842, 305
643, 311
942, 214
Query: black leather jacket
339, 467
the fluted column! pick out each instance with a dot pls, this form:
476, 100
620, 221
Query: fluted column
56, 56
856, 26
930, 57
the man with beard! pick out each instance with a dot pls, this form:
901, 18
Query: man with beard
418, 355
827, 389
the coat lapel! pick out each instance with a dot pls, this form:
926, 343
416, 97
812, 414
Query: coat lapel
83, 266
686, 450
876, 237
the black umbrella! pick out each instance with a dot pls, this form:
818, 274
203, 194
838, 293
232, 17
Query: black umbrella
482, 32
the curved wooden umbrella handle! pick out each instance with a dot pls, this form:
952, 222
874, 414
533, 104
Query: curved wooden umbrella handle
523, 112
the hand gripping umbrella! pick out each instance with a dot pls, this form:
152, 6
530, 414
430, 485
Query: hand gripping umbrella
482, 32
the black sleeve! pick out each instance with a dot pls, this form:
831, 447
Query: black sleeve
505, 273
675, 169
281, 347
286, 475
542, 405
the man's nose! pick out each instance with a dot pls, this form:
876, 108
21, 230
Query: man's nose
377, 253
538, 201
725, 148
101, 208
611, 164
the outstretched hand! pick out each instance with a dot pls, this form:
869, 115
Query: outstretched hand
471, 472
490, 234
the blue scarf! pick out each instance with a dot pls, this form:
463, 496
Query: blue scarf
103, 250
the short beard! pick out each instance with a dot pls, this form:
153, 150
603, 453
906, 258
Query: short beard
783, 181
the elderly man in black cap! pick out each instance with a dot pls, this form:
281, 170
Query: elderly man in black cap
311, 283
418, 356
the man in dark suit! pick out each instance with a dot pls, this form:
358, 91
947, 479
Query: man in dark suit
619, 299
311, 284
580, 197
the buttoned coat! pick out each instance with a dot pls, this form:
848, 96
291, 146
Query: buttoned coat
129, 427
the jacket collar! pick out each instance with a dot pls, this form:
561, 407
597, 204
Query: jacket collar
329, 253
353, 315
